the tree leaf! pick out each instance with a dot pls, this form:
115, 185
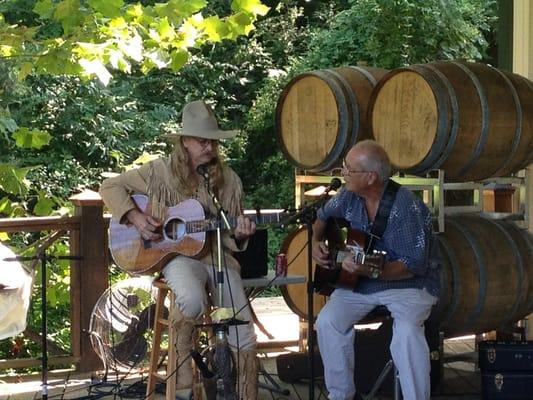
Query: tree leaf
7, 124
13, 180
109, 8
68, 12
44, 205
178, 59
250, 6
24, 71
132, 48
96, 67
27, 138
5, 206
44, 8
213, 27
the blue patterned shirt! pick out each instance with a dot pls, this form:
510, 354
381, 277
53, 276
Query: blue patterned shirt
408, 238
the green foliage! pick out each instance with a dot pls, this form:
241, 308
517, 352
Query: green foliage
31, 138
96, 35
393, 33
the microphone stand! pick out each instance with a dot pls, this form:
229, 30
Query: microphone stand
307, 215
44, 328
225, 381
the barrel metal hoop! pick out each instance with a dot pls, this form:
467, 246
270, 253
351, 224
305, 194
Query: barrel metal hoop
520, 265
442, 123
483, 137
455, 116
456, 289
480, 261
338, 146
518, 131
355, 108
366, 74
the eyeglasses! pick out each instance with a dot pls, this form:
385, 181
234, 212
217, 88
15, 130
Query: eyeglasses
352, 171
206, 142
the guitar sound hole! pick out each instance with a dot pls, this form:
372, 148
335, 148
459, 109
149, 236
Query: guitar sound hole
175, 229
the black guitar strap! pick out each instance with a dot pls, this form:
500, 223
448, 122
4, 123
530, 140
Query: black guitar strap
382, 216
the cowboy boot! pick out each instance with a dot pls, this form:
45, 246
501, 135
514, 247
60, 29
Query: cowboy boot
184, 329
248, 374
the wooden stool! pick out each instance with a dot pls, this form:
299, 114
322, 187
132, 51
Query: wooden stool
160, 323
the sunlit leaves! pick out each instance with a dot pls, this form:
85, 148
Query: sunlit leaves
250, 6
44, 205
5, 206
214, 28
94, 33
31, 138
132, 48
13, 180
165, 31
95, 68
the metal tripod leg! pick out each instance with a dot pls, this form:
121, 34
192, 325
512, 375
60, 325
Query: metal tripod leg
389, 366
273, 386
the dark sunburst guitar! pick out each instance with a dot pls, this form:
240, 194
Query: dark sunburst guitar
328, 278
183, 231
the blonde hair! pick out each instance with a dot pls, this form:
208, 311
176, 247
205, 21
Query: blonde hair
182, 173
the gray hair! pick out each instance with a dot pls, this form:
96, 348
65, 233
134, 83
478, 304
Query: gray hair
375, 158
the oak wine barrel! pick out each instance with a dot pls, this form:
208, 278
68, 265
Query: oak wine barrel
486, 277
321, 114
469, 119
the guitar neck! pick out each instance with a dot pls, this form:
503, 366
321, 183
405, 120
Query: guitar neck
215, 223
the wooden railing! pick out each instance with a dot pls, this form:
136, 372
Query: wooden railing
88, 277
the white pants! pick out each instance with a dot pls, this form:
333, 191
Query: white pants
188, 279
409, 349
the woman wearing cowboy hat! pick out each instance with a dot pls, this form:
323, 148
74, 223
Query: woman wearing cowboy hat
168, 181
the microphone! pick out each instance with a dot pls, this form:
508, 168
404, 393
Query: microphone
202, 169
333, 185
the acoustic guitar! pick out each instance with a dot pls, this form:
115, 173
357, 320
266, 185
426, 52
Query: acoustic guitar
328, 278
183, 232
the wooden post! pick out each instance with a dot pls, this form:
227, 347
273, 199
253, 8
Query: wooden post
88, 277
523, 65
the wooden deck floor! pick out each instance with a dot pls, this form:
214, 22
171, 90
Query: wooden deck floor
460, 379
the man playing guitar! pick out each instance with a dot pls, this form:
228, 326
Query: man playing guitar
174, 180
407, 285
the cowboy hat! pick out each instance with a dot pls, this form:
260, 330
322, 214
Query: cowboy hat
198, 120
